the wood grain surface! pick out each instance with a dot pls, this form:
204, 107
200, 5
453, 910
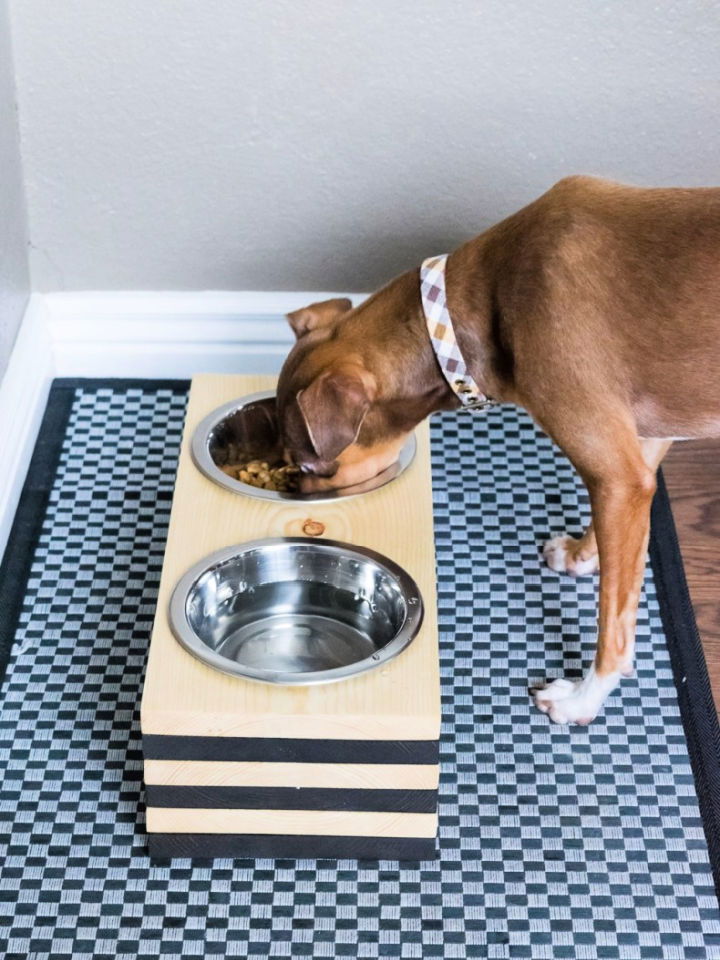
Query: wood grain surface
335, 823
398, 701
350, 776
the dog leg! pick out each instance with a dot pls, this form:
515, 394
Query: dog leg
578, 556
620, 496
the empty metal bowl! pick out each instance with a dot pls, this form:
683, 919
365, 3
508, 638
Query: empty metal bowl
250, 425
295, 611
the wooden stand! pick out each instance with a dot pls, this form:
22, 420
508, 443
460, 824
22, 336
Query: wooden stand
241, 769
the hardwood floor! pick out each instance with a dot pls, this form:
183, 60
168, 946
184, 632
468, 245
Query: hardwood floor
692, 474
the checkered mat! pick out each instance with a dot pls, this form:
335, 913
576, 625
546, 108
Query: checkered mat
554, 843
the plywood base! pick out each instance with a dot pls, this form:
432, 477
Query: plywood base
235, 768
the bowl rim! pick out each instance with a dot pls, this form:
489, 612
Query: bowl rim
200, 453
190, 641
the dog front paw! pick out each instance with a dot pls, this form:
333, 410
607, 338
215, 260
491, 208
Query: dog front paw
565, 554
575, 701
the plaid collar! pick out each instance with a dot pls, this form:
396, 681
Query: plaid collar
443, 339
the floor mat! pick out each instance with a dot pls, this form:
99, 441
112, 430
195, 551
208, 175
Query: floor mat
554, 843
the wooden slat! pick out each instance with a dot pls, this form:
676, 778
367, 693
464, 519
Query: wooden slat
351, 776
398, 701
291, 822
290, 750
163, 846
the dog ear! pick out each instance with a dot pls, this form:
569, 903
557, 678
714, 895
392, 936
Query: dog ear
318, 315
334, 407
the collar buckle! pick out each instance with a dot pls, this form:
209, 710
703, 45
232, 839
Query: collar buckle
470, 398
478, 404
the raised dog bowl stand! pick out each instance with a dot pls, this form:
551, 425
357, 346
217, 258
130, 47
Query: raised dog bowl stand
237, 768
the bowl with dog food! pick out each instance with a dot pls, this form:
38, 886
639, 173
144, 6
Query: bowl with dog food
293, 611
238, 447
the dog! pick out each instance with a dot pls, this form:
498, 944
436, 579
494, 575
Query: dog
597, 310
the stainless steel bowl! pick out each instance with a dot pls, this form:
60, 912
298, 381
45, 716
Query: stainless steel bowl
295, 611
251, 424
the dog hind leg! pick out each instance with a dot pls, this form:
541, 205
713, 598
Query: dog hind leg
578, 556
621, 483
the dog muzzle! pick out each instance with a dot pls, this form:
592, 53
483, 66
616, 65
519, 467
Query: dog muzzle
442, 336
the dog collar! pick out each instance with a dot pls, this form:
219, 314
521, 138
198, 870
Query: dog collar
443, 339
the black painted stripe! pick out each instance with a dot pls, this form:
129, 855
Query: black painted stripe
291, 798
211, 846
276, 750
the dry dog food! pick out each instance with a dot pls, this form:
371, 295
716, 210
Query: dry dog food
284, 478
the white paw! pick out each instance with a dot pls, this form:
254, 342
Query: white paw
575, 701
561, 555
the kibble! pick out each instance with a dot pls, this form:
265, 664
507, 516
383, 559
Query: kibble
280, 477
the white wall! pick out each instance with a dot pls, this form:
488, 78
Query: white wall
328, 144
14, 278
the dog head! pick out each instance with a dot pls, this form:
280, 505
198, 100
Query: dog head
353, 387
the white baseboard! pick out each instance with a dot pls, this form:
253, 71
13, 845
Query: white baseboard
138, 334
23, 395
171, 335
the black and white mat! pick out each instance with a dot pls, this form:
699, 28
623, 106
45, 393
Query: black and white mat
595, 842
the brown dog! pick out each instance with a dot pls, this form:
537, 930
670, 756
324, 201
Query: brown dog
597, 309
